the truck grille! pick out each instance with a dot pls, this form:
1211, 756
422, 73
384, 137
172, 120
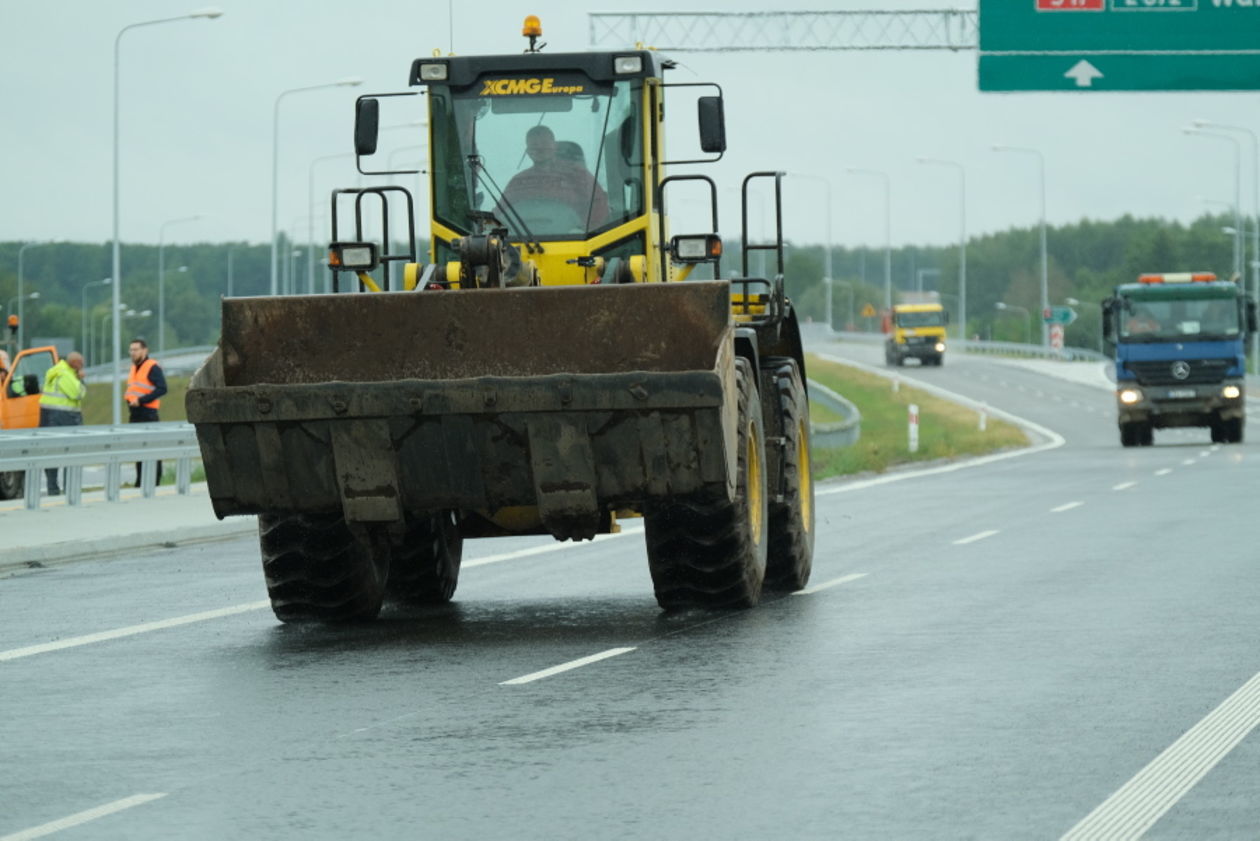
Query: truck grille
1202, 371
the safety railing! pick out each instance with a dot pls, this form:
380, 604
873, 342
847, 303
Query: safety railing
32, 451
837, 434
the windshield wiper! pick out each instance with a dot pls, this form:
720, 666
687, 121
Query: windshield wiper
532, 245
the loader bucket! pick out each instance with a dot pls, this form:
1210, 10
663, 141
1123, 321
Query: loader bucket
573, 400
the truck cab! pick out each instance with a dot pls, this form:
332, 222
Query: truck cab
1179, 345
916, 331
20, 384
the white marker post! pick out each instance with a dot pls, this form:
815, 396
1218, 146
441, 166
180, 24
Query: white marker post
914, 428
896, 385
984, 417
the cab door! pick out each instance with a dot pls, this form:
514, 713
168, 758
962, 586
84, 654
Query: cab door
19, 390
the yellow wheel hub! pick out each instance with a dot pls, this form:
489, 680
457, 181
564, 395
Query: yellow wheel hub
754, 487
803, 471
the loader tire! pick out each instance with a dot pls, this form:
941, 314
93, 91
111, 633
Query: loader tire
318, 569
713, 554
424, 565
12, 484
790, 555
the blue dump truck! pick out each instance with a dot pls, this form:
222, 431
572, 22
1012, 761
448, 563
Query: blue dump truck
1179, 344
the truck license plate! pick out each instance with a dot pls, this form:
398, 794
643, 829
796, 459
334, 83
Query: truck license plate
1180, 393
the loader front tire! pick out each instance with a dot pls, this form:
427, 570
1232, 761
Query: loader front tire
424, 567
713, 554
791, 533
318, 569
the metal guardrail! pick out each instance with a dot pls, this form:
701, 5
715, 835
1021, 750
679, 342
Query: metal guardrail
1067, 354
832, 436
177, 361
32, 451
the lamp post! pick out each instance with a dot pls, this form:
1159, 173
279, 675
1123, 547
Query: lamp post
21, 334
121, 307
1045, 284
83, 309
827, 276
919, 275
887, 228
1238, 247
210, 14
1003, 306
962, 238
275, 162
1255, 210
162, 278
18, 299
1233, 230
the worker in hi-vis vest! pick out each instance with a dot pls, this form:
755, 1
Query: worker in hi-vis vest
61, 402
145, 388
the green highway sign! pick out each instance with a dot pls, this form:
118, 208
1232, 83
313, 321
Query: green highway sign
1119, 45
1058, 315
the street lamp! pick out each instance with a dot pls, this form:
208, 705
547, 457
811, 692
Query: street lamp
1003, 306
18, 299
275, 162
1239, 257
1255, 209
162, 278
210, 14
106, 317
887, 228
1045, 285
83, 310
21, 334
827, 279
962, 238
919, 274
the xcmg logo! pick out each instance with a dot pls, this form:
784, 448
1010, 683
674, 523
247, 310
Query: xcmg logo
525, 87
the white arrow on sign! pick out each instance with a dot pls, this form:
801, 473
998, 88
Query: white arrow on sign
1084, 73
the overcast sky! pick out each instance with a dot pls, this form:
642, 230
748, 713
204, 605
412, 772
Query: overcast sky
197, 99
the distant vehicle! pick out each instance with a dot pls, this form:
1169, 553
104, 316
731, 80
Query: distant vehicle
1179, 344
916, 330
19, 402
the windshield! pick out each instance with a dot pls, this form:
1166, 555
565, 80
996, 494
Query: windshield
554, 157
921, 319
1196, 320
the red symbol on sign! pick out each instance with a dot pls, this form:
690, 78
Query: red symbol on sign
1071, 5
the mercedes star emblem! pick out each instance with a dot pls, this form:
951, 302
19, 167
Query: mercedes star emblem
1180, 370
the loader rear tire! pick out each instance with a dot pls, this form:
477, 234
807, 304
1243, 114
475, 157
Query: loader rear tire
713, 554
424, 567
318, 569
790, 556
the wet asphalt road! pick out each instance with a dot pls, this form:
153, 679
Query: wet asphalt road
1024, 638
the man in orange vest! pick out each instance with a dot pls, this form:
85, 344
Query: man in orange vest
145, 388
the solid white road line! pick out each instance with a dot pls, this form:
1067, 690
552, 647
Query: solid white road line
1066, 507
981, 536
82, 817
1163, 472
1143, 800
563, 667
545, 548
827, 585
1124, 486
88, 639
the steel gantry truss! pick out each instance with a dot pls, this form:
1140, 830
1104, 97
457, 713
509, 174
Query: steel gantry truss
930, 29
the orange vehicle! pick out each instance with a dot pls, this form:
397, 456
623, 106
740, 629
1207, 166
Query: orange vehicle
20, 383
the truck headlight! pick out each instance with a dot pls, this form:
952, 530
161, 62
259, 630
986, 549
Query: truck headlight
1130, 396
940, 347
1231, 392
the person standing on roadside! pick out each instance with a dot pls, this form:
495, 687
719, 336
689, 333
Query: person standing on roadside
61, 402
145, 388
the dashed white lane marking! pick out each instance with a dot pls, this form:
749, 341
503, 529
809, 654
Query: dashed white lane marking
163, 624
1143, 800
1205, 454
827, 585
1188, 462
975, 537
82, 817
1124, 486
1163, 472
1066, 507
564, 667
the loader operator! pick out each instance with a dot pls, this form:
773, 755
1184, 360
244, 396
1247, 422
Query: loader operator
562, 180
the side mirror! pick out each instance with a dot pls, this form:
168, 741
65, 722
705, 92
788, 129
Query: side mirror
1108, 319
367, 122
947, 316
712, 124
1251, 317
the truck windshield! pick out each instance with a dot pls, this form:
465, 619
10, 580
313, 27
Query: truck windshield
921, 319
552, 157
1145, 320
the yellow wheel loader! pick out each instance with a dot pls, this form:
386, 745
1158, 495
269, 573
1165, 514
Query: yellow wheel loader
551, 368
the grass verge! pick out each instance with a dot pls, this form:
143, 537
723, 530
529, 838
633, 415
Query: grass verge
98, 407
946, 430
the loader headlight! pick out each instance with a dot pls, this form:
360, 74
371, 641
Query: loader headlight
699, 248
1130, 396
352, 256
1231, 392
627, 64
940, 347
435, 71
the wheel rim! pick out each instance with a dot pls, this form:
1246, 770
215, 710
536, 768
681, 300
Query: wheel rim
753, 486
803, 470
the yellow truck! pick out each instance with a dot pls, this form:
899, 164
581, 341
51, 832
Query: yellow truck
916, 330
